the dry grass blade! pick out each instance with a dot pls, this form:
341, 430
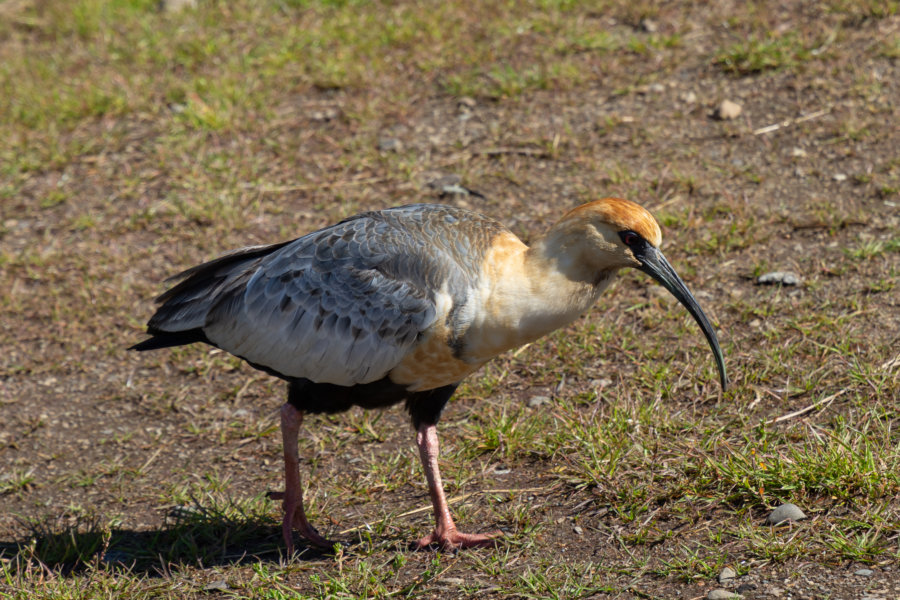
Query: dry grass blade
794, 121
806, 409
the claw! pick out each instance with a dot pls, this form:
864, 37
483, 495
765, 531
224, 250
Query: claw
295, 518
454, 539
445, 534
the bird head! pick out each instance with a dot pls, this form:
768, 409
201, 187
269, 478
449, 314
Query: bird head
609, 234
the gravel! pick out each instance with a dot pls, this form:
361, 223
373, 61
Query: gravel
785, 512
537, 401
727, 110
779, 278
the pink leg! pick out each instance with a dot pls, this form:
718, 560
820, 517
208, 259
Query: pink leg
292, 497
445, 533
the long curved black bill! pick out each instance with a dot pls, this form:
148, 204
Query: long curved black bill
654, 264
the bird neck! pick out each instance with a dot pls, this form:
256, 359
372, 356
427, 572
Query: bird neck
564, 282
534, 291
562, 253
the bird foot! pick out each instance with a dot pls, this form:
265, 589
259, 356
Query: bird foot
295, 518
452, 539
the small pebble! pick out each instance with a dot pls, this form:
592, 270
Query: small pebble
536, 401
578, 530
449, 185
112, 557
785, 512
727, 574
182, 512
864, 572
727, 110
325, 114
220, 585
176, 5
389, 145
798, 152
458, 190
779, 277
688, 97
649, 26
722, 595
443, 181
839, 177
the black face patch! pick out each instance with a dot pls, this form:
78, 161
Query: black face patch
633, 240
636, 243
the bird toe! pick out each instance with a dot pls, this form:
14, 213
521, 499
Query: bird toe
456, 540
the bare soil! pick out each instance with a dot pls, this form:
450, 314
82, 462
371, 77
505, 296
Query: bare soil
93, 438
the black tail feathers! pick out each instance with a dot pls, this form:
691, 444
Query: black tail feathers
168, 339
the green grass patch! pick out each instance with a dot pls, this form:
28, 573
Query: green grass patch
758, 54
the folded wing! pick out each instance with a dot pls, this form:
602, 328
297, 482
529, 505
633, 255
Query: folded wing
342, 305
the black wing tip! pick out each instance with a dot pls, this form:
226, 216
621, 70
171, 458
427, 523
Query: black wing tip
202, 274
169, 339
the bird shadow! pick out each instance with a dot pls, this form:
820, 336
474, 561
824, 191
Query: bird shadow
191, 536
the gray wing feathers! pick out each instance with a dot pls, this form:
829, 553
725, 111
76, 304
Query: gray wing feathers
342, 305
338, 306
186, 305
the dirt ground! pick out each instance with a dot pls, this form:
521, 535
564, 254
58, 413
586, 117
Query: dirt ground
606, 453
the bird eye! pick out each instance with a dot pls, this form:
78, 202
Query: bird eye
630, 238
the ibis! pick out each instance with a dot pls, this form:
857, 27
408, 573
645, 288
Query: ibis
400, 305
